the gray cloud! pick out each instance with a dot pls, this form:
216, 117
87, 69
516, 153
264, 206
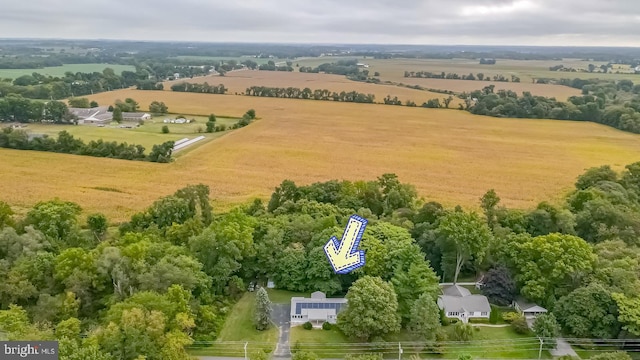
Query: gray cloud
535, 22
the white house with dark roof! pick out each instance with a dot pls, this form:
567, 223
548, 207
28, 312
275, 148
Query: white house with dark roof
458, 302
528, 309
317, 309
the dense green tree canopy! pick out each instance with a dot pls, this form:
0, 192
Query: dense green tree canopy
372, 309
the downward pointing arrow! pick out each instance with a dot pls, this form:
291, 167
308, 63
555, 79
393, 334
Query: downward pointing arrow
344, 255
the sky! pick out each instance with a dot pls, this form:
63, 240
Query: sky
455, 22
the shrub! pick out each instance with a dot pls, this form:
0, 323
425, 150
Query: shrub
509, 317
326, 326
165, 129
307, 326
258, 355
463, 332
443, 319
494, 316
520, 325
304, 355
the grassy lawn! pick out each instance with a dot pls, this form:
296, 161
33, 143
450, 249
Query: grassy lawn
283, 296
146, 135
238, 329
501, 342
60, 70
325, 343
488, 342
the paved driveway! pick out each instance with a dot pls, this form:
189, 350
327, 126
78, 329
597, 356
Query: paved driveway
281, 317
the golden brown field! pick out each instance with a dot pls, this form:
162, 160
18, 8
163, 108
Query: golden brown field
451, 156
561, 93
239, 81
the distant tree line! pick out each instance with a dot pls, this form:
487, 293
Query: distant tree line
65, 143
149, 85
199, 88
271, 66
38, 86
51, 60
604, 68
307, 93
340, 67
603, 104
471, 76
15, 108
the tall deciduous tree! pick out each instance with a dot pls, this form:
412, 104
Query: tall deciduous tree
550, 265
463, 236
546, 327
262, 316
157, 107
488, 202
57, 219
372, 310
589, 312
629, 310
117, 114
97, 223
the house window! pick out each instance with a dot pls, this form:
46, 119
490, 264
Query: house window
454, 313
484, 313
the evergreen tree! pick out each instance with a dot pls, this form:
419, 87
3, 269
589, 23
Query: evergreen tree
425, 318
262, 317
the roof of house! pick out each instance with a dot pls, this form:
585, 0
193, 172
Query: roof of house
83, 113
456, 290
318, 297
134, 114
526, 306
318, 300
471, 303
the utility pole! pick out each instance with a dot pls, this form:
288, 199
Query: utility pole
245, 350
540, 351
399, 352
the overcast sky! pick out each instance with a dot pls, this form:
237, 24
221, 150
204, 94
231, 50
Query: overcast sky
474, 22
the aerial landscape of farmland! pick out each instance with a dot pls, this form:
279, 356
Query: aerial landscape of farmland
288, 180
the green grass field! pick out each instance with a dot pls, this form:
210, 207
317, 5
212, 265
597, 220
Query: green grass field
238, 329
283, 296
488, 342
146, 135
60, 70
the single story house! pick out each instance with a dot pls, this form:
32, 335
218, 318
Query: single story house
458, 302
135, 116
317, 309
528, 309
92, 116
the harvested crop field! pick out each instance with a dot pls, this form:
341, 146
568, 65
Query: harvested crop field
451, 156
239, 81
559, 92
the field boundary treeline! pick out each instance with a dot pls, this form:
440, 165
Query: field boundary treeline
65, 143
455, 76
308, 94
600, 102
